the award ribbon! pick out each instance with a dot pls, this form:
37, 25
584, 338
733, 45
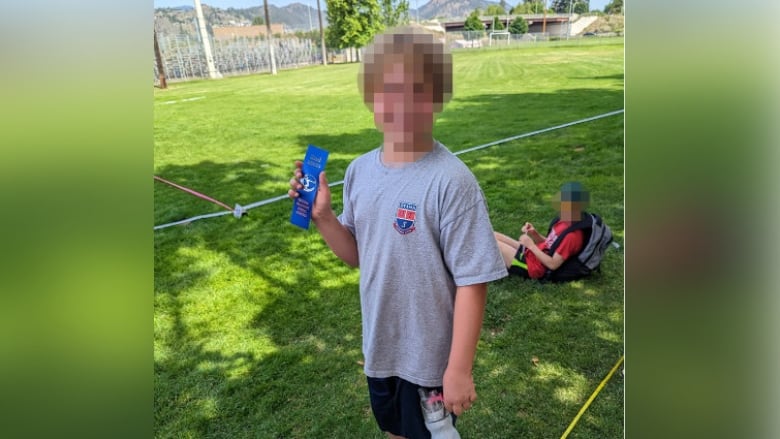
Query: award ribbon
313, 164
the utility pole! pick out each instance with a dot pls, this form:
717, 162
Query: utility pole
204, 36
270, 38
568, 22
322, 36
544, 20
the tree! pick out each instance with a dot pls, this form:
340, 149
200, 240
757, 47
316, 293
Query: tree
497, 24
258, 21
495, 10
577, 6
560, 6
528, 7
518, 26
614, 7
352, 23
473, 23
395, 12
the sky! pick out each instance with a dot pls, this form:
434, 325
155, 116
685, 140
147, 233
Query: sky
238, 4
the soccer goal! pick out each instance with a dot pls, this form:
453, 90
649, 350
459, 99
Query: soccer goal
499, 33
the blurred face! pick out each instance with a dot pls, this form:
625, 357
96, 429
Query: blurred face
403, 104
569, 210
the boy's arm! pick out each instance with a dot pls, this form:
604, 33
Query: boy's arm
529, 230
551, 262
458, 383
536, 236
339, 238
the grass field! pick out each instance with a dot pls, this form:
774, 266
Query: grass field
257, 324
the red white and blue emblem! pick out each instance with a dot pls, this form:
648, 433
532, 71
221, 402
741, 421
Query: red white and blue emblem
404, 218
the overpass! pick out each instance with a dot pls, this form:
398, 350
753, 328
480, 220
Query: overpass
551, 23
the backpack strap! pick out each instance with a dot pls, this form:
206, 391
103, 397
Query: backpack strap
585, 223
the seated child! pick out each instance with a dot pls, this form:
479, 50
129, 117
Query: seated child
529, 256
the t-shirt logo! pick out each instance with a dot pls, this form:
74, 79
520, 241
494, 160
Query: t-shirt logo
404, 218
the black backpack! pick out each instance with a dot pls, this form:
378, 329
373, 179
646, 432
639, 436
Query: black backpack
597, 237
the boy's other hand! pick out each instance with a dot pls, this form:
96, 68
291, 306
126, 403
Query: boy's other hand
527, 228
459, 391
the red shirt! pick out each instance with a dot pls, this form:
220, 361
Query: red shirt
571, 245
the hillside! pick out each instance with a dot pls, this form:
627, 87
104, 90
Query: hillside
296, 16
607, 24
181, 20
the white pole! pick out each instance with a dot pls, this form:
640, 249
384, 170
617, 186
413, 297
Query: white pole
310, 26
270, 38
204, 36
568, 26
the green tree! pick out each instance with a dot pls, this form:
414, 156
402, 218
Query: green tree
495, 10
258, 21
394, 12
352, 23
528, 7
474, 24
577, 6
497, 24
614, 7
518, 26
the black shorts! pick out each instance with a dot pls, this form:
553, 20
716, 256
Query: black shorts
519, 266
396, 406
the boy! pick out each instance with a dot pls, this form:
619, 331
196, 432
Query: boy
527, 256
416, 223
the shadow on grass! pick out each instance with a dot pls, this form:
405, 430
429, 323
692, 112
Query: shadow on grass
298, 374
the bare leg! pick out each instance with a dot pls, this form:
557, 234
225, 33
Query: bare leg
392, 436
500, 237
508, 248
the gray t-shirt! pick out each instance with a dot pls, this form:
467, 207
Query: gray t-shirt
421, 230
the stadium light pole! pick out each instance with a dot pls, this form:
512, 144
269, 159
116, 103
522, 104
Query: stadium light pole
160, 64
322, 36
308, 9
270, 38
204, 36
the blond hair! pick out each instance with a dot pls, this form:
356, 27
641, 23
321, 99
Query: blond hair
430, 59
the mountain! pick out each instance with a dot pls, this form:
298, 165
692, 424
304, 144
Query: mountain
181, 20
295, 16
452, 9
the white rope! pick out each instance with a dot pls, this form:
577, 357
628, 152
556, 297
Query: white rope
239, 210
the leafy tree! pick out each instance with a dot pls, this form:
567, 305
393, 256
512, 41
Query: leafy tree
577, 6
258, 21
352, 23
495, 10
473, 23
518, 26
497, 24
614, 7
394, 12
528, 7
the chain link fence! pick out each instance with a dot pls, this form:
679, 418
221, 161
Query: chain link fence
184, 59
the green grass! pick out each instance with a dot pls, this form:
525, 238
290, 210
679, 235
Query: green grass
257, 324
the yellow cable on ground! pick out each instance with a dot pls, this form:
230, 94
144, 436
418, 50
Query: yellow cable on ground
592, 397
